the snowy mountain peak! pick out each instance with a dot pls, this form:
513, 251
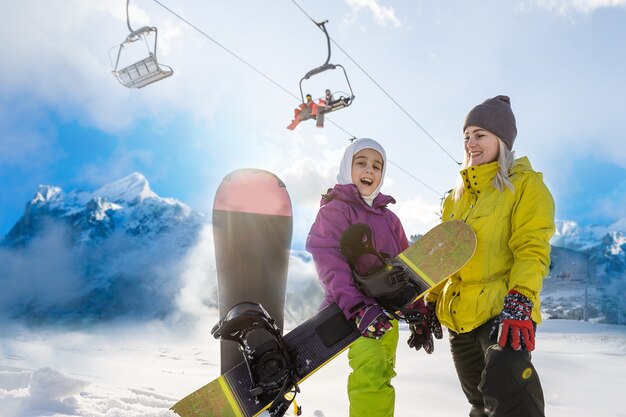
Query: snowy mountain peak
566, 227
47, 193
571, 235
615, 243
127, 205
133, 188
82, 255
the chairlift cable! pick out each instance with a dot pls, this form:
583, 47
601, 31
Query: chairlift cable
321, 26
352, 137
227, 50
414, 177
340, 128
304, 11
381, 88
277, 84
397, 104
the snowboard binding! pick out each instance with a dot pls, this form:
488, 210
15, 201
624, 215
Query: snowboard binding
271, 369
389, 284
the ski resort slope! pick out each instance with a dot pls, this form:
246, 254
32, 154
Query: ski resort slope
141, 370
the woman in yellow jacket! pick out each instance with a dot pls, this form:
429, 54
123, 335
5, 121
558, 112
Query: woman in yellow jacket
491, 306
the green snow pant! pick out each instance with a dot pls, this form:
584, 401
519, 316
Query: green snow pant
369, 385
497, 382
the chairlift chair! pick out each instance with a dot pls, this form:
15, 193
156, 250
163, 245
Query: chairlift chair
145, 71
340, 99
343, 101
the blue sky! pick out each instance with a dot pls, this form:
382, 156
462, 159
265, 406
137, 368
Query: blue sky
64, 120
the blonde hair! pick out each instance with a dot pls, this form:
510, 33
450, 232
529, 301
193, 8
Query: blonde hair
506, 159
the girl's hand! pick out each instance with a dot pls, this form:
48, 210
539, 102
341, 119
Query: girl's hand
372, 321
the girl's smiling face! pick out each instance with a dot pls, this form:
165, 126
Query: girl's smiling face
481, 146
367, 168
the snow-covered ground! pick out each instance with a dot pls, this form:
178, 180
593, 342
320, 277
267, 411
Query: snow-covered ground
142, 369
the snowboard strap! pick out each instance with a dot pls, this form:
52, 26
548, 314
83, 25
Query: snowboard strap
284, 398
356, 241
389, 285
272, 370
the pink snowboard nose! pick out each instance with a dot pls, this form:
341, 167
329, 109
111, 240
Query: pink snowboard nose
253, 191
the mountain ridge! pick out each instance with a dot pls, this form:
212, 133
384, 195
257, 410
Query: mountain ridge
121, 250
570, 235
118, 251
587, 273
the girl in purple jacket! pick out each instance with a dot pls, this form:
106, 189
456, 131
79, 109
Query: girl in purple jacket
356, 198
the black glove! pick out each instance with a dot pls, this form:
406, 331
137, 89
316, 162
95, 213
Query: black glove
423, 326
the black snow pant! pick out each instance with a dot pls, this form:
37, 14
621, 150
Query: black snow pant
497, 382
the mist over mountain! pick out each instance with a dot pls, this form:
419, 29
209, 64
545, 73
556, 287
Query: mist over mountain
83, 256
588, 273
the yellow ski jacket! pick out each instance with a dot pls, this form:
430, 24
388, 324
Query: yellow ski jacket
513, 252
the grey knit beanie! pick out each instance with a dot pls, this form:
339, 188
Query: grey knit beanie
496, 116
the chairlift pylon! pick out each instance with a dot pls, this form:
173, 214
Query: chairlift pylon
145, 71
337, 103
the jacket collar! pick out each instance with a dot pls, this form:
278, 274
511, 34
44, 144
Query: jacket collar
349, 193
479, 177
521, 165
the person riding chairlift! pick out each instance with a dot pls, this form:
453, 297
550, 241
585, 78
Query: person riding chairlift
304, 111
324, 105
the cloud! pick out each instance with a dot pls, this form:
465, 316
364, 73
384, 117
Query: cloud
53, 391
63, 63
382, 15
307, 179
611, 206
417, 215
45, 274
121, 163
304, 291
198, 277
301, 271
312, 166
581, 6
312, 170
59, 63
20, 146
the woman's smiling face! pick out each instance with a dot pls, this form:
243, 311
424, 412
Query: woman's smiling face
481, 146
367, 168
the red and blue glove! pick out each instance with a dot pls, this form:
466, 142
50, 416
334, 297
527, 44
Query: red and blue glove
423, 324
513, 326
372, 321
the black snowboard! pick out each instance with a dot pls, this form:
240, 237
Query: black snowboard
241, 391
252, 226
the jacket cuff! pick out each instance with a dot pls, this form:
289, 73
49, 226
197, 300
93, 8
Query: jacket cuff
531, 295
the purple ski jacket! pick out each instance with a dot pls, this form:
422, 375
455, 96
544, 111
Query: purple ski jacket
340, 208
